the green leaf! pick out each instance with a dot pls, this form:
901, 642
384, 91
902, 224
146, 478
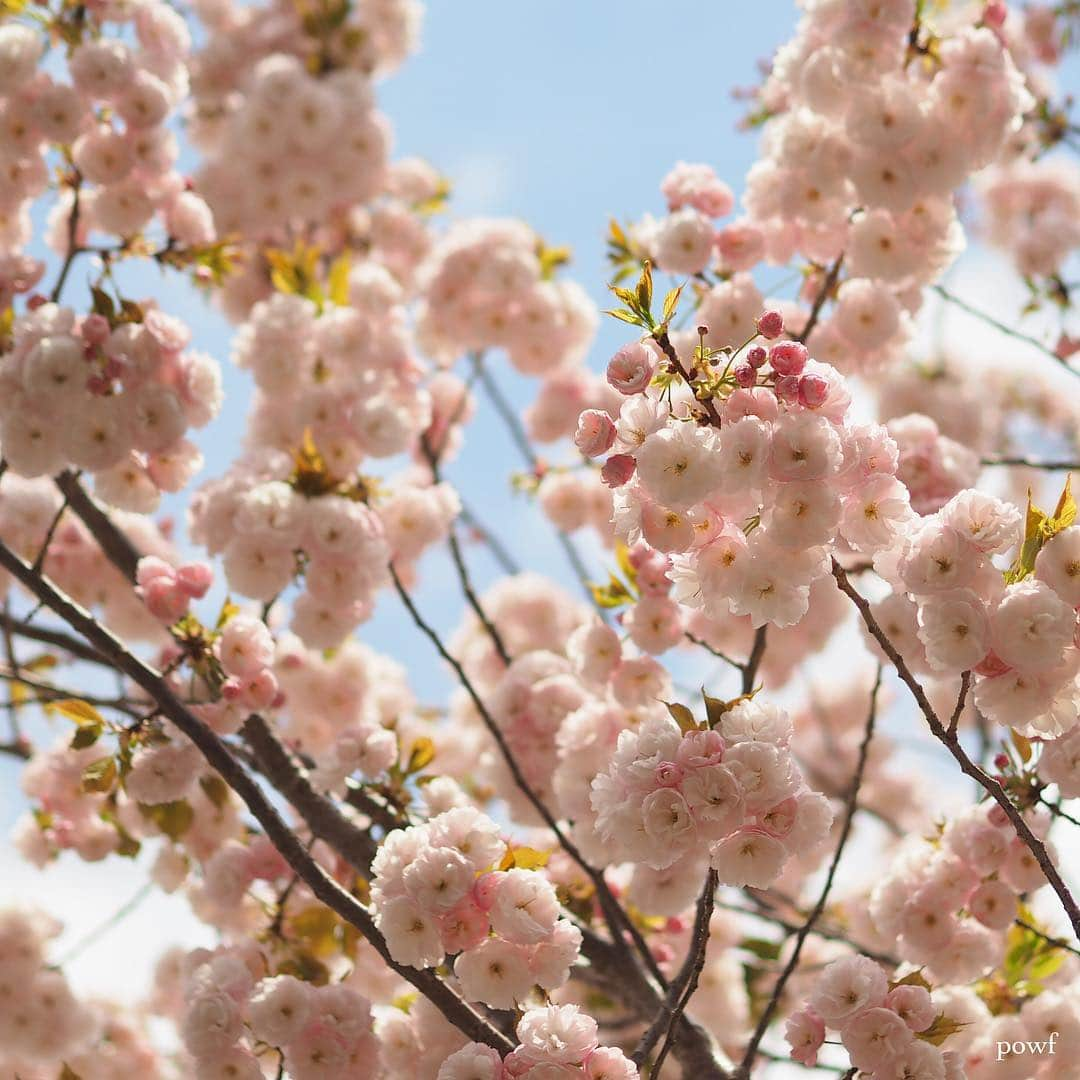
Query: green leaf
682, 716
671, 303
103, 303
940, 1030
912, 978
172, 818
644, 287
622, 557
421, 754
82, 712
1065, 511
100, 775
626, 317
215, 789
612, 595
85, 736
524, 858
337, 280
761, 947
1023, 745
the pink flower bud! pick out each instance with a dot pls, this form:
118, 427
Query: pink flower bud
745, 375
813, 390
95, 329
630, 370
770, 324
195, 579
618, 469
35, 300
150, 568
995, 14
164, 600
787, 388
595, 433
756, 356
788, 357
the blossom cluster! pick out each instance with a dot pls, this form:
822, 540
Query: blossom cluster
438, 889
945, 903
485, 286
322, 1031
748, 510
555, 1041
734, 791
127, 391
44, 1026
111, 120
954, 610
879, 1022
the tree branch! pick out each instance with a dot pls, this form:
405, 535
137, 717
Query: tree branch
823, 897
952, 744
457, 1011
683, 985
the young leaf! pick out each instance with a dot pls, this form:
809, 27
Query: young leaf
82, 712
337, 280
99, 776
626, 317
644, 288
682, 716
421, 755
671, 303
940, 1030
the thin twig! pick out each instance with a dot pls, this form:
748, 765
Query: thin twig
683, 985
520, 438
827, 286
823, 896
961, 701
99, 931
616, 916
1056, 942
1002, 327
952, 743
456, 1010
1031, 463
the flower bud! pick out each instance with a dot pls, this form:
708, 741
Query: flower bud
595, 433
770, 324
788, 357
618, 469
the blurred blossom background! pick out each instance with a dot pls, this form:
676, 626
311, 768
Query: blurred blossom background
564, 114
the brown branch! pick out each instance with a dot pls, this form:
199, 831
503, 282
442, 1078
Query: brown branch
1003, 328
826, 289
1056, 942
961, 701
290, 779
1030, 463
683, 985
121, 552
668, 350
457, 1011
952, 743
617, 918
57, 638
750, 668
743, 1072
